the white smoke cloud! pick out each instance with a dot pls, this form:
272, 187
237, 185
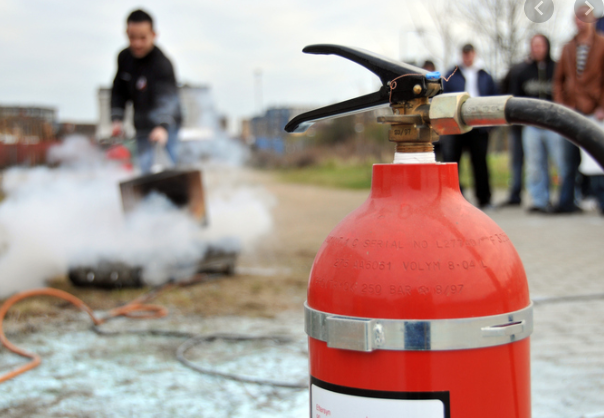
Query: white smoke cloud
76, 152
220, 150
53, 219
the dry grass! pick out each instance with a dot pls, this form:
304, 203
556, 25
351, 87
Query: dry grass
254, 296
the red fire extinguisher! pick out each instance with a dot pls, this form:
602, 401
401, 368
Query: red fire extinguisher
418, 304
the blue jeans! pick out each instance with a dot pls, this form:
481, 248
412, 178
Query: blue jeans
571, 158
596, 184
145, 149
540, 146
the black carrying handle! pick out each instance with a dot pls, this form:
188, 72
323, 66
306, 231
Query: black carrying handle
386, 69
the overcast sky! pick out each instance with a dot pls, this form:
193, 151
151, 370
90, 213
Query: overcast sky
57, 53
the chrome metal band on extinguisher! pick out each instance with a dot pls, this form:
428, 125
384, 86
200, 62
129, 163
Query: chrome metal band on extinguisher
368, 334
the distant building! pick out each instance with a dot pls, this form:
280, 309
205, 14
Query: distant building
87, 130
201, 121
267, 131
26, 133
27, 124
246, 131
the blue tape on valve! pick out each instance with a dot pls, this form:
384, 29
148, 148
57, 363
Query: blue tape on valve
434, 75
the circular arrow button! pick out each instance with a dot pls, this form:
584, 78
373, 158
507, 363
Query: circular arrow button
589, 10
539, 11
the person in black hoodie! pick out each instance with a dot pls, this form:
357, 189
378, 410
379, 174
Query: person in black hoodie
516, 151
146, 78
534, 79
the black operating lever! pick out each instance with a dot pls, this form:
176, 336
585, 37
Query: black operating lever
389, 71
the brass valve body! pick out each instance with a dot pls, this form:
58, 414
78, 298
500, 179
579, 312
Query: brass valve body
410, 128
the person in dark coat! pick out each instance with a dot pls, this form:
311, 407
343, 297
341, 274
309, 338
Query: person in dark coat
472, 78
534, 80
516, 150
145, 77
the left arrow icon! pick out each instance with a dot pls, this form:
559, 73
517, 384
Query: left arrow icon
539, 11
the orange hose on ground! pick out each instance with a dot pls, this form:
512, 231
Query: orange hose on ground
129, 310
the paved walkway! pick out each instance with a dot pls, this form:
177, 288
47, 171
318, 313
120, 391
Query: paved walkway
563, 256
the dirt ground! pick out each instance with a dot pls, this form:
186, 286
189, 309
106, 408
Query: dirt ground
86, 375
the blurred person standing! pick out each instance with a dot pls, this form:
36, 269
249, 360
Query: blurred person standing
579, 84
146, 78
515, 148
428, 65
472, 78
600, 25
534, 79
595, 175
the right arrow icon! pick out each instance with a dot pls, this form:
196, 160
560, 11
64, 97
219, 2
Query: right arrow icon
588, 11
591, 8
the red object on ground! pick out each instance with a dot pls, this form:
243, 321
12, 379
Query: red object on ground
120, 154
417, 250
24, 154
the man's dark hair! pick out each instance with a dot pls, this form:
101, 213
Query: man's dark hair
467, 48
139, 16
429, 64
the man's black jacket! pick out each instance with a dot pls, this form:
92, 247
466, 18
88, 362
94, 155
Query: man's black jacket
150, 84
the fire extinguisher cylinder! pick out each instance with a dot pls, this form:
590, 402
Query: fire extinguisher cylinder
418, 304
418, 294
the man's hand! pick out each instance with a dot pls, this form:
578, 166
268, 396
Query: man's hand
159, 134
117, 128
599, 113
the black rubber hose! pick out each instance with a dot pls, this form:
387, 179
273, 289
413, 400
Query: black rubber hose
573, 126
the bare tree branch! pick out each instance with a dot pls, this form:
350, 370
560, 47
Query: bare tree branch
443, 18
500, 26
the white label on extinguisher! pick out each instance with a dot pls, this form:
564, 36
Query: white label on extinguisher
329, 404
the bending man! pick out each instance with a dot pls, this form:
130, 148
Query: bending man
146, 78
